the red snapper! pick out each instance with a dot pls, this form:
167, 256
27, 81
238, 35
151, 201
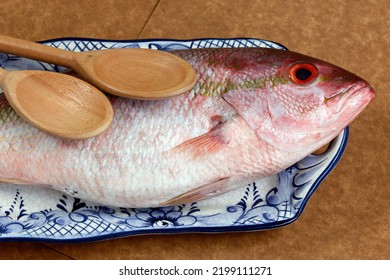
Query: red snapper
252, 113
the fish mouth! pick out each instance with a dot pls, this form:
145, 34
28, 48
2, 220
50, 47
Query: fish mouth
358, 95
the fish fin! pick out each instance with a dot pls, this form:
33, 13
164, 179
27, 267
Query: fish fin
19, 182
200, 193
13, 181
210, 142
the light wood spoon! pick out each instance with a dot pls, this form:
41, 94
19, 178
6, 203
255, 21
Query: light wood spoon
130, 73
59, 104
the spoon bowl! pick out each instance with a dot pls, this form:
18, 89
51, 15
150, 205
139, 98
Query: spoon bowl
59, 104
129, 73
136, 73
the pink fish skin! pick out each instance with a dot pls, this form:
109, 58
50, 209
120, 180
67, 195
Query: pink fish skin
252, 113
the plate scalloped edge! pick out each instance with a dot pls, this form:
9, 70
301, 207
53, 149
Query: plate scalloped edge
46, 215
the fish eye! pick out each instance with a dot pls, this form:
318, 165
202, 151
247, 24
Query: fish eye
302, 73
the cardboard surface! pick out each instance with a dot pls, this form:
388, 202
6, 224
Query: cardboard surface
348, 216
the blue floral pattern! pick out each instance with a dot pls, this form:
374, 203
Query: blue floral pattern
162, 218
27, 213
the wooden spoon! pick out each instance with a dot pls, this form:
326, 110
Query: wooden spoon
131, 73
59, 104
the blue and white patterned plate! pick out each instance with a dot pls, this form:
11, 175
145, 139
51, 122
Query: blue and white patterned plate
42, 214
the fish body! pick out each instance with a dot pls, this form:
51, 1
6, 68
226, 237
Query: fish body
252, 113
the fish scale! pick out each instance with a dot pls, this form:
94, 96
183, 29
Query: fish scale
246, 118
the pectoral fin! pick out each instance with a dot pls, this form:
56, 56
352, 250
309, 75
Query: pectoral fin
210, 142
200, 193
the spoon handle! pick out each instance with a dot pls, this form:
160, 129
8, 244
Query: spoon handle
36, 51
2, 74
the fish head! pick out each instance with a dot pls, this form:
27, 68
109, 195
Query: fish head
309, 101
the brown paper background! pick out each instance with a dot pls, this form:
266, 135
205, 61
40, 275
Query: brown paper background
348, 216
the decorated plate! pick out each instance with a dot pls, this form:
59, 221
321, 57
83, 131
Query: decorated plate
28, 213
